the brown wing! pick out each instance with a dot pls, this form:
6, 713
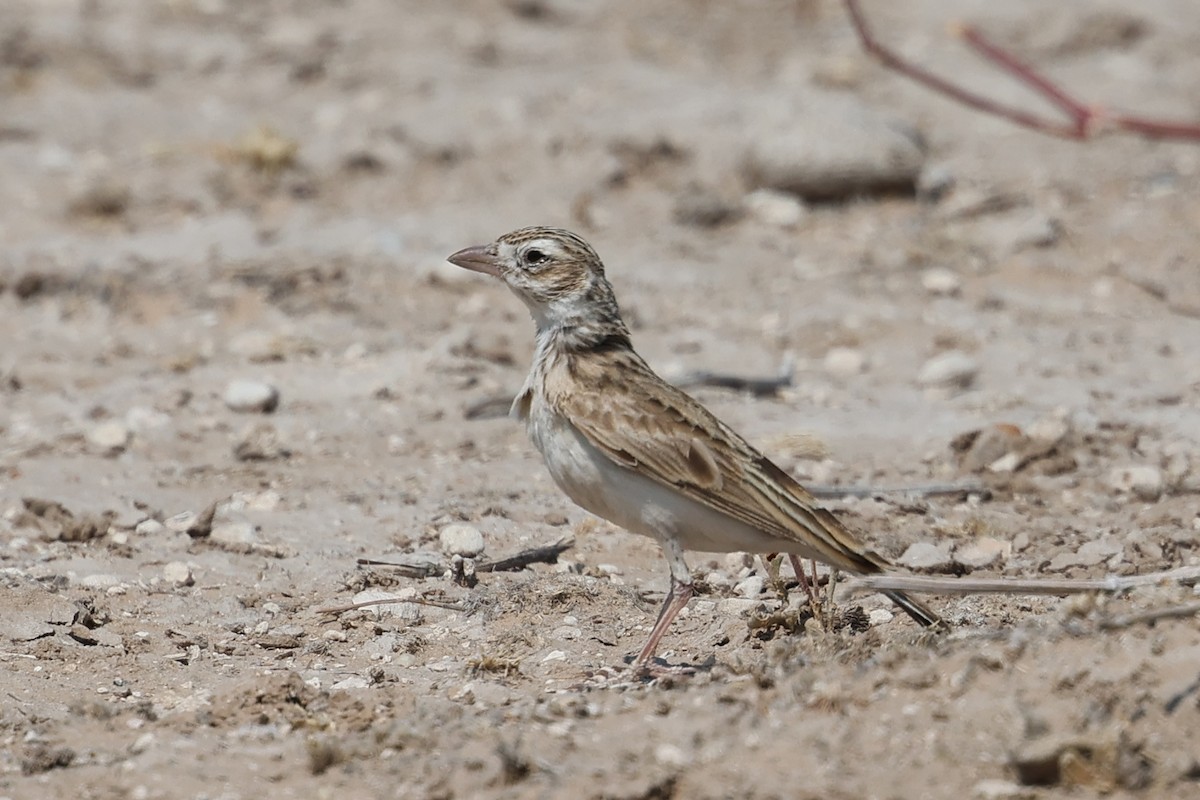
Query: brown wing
641, 422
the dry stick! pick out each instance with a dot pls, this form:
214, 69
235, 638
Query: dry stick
421, 601
546, 554
1056, 586
423, 566
1153, 615
1085, 121
759, 387
927, 490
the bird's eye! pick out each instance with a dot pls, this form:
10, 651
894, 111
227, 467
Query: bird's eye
535, 257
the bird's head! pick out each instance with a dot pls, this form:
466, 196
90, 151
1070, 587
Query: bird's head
557, 274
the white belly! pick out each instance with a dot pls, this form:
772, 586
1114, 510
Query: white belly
636, 503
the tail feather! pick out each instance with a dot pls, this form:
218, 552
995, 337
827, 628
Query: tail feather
920, 612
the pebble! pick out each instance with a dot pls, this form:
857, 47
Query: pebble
774, 208
998, 789
110, 435
935, 182
100, 580
1089, 555
1005, 233
461, 540
142, 743
941, 281
950, 370
983, 552
178, 573
927, 556
750, 587
1144, 481
701, 208
353, 682
236, 533
990, 445
249, 397
844, 148
734, 563
670, 755
880, 616
845, 361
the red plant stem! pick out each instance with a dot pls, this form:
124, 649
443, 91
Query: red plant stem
1086, 121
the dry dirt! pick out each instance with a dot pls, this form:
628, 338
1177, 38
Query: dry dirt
201, 191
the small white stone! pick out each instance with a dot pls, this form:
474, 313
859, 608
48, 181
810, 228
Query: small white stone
237, 533
925, 555
941, 281
734, 563
670, 755
461, 540
1142, 480
110, 435
142, 743
845, 361
353, 682
178, 573
100, 581
609, 569
953, 370
334, 635
181, 521
983, 552
880, 616
247, 396
772, 207
750, 587
998, 789
149, 527
554, 655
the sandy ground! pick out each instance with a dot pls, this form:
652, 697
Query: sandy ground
199, 192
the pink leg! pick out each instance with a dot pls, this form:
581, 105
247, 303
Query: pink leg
677, 598
679, 595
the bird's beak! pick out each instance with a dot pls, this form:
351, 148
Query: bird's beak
478, 259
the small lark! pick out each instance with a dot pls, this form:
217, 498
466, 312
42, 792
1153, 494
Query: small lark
630, 447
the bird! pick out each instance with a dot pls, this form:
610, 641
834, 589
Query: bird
629, 447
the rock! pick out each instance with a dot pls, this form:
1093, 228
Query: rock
934, 183
845, 361
248, 397
926, 556
461, 540
1089, 555
109, 436
735, 563
880, 616
985, 448
941, 281
262, 442
351, 683
29, 615
983, 552
950, 370
750, 587
777, 209
1144, 481
835, 148
701, 208
100, 581
1005, 234
178, 573
997, 789
235, 533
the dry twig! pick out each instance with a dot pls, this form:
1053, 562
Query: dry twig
1084, 121
928, 584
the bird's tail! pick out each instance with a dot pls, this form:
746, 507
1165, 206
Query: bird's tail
920, 612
